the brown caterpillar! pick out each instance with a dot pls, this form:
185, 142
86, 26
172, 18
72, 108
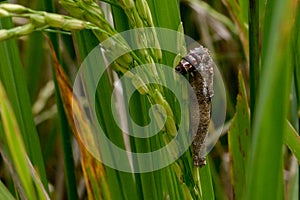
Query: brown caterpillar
199, 65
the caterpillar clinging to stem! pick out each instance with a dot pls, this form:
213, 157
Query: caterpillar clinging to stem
199, 66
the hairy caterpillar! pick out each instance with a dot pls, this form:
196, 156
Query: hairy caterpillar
199, 66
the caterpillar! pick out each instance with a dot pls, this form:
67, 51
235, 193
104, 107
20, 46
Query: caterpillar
198, 64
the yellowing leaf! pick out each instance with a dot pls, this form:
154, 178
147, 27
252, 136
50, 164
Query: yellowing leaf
93, 170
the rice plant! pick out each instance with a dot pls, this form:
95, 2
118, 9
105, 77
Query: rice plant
91, 106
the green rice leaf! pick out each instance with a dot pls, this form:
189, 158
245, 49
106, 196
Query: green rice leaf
265, 173
292, 140
4, 193
14, 141
238, 141
12, 77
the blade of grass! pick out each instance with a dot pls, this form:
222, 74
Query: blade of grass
4, 193
238, 11
33, 63
292, 140
14, 185
124, 180
12, 76
238, 142
69, 166
166, 14
254, 51
296, 62
218, 190
86, 41
93, 170
206, 182
168, 18
265, 173
296, 55
146, 187
14, 141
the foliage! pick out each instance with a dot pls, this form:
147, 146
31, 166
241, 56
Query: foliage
257, 53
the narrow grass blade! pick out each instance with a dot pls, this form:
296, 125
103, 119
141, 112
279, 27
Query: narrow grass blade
292, 140
238, 10
14, 141
218, 190
265, 173
98, 185
238, 142
147, 187
12, 76
69, 166
66, 136
33, 63
254, 51
121, 185
4, 193
165, 14
296, 56
206, 182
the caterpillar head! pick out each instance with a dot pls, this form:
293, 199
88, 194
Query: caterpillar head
184, 67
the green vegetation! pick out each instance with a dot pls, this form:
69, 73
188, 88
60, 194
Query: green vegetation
255, 45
